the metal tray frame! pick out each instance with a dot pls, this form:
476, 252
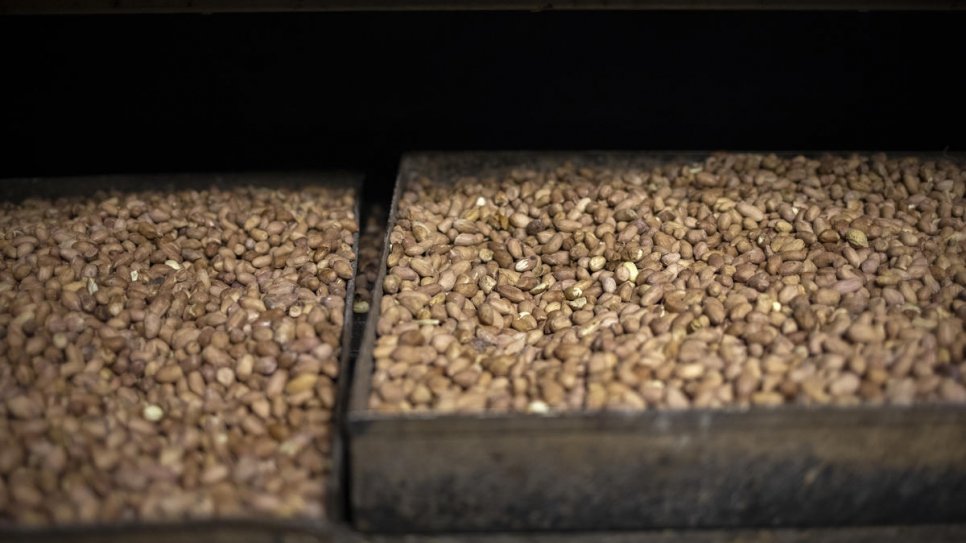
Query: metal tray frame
329, 529
791, 466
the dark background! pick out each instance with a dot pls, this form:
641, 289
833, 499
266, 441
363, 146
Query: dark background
158, 93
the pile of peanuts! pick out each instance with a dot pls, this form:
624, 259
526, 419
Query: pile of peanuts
170, 354
739, 280
370, 258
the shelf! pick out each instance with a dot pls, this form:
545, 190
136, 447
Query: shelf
229, 6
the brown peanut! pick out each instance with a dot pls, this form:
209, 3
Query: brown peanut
141, 336
741, 279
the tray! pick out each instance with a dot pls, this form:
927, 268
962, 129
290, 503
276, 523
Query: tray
330, 529
789, 466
